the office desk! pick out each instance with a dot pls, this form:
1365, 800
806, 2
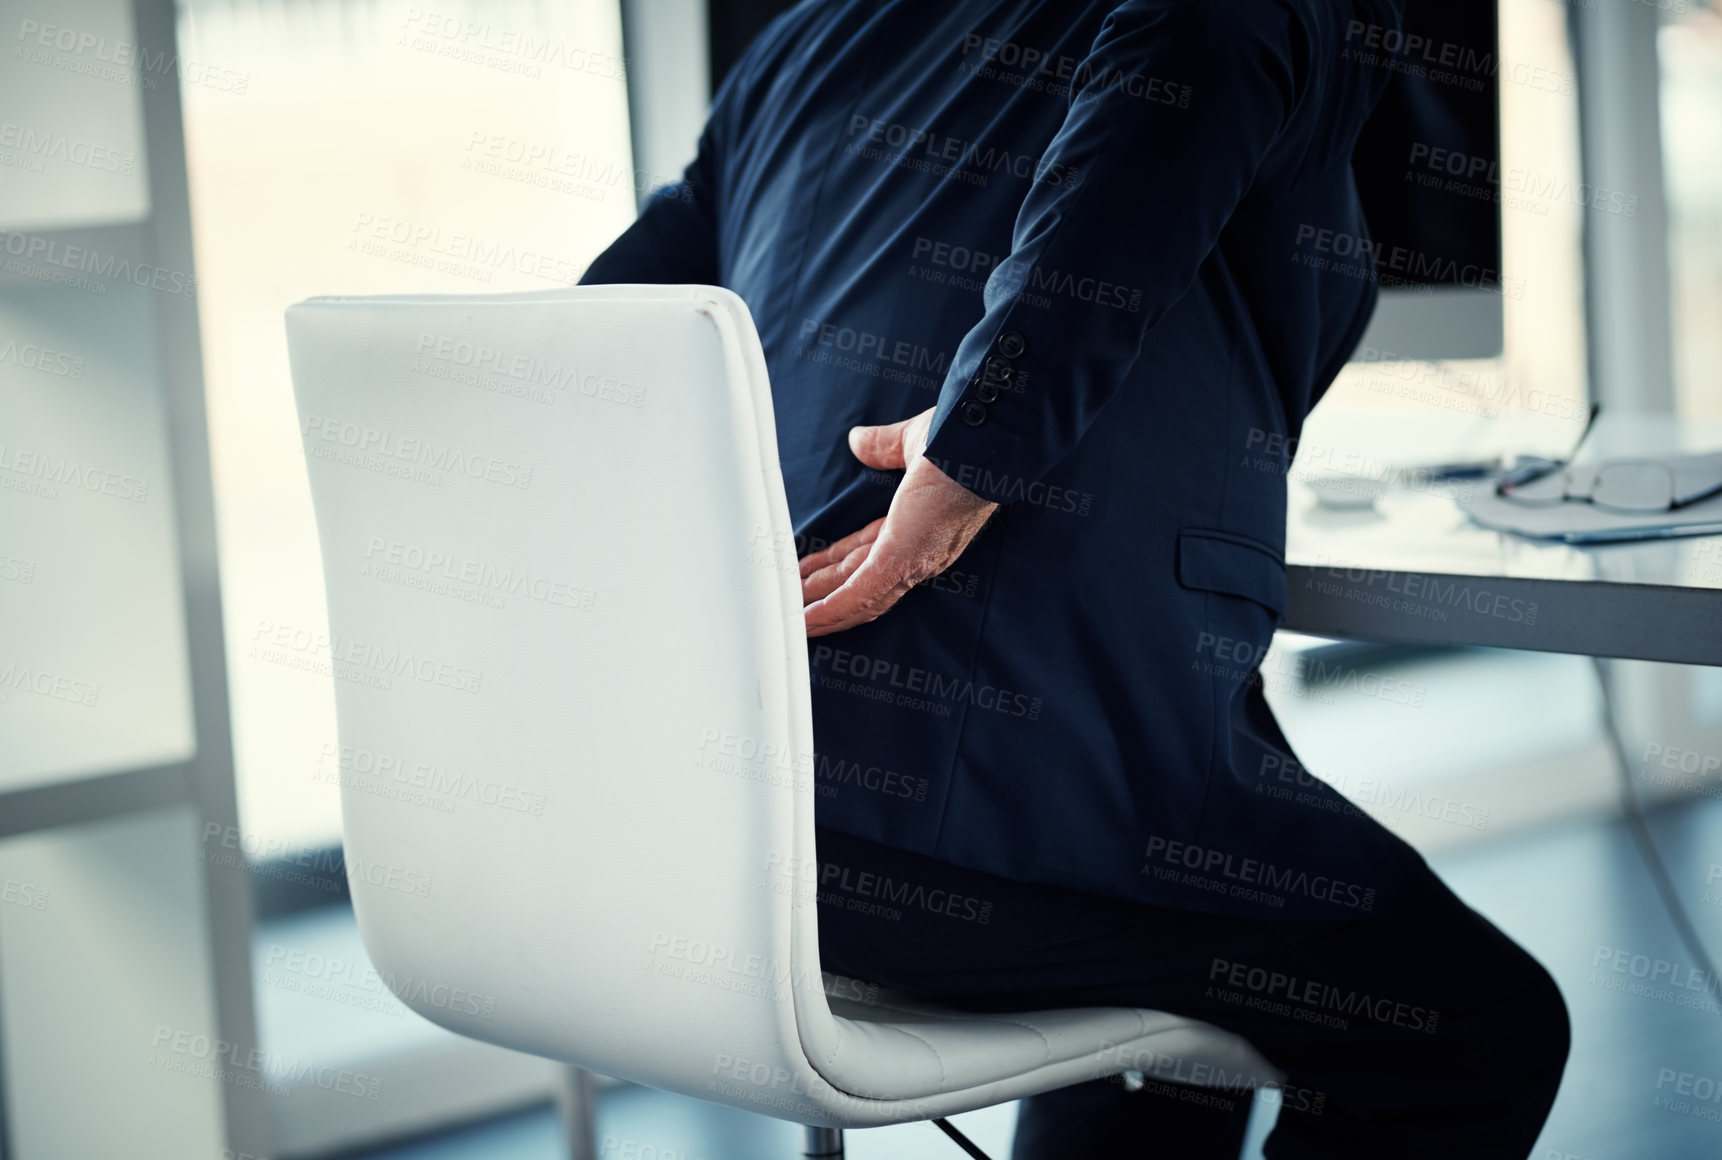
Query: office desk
1415, 570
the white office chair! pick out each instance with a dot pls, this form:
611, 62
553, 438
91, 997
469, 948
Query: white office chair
564, 611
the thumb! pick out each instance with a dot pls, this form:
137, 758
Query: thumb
880, 447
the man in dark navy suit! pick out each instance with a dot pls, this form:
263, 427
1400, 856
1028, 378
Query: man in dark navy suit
1046, 291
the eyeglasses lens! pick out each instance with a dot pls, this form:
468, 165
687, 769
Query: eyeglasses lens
1634, 487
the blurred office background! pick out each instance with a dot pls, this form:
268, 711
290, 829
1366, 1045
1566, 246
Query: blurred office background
169, 791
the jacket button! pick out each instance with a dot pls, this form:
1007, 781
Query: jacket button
974, 414
998, 368
987, 392
1011, 344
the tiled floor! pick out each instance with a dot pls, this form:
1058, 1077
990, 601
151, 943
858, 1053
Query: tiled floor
1573, 895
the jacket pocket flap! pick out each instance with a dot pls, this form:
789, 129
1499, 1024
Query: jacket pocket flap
1233, 565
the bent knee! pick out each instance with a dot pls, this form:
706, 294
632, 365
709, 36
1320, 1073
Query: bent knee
1535, 1020
1550, 1020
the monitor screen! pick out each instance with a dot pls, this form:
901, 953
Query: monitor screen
1428, 170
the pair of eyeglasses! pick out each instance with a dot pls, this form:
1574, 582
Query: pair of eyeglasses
1624, 485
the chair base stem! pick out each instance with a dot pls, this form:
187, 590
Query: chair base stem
824, 1144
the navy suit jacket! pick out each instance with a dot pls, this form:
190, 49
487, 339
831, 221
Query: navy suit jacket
1108, 242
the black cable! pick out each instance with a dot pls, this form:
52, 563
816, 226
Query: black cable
1634, 812
963, 1141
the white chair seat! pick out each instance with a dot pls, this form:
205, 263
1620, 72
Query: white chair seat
900, 1048
563, 593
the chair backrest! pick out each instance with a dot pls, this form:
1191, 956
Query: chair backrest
570, 674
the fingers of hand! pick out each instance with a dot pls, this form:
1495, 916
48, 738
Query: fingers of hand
825, 557
893, 564
822, 582
868, 594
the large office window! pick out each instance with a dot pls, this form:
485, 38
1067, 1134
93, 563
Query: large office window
364, 147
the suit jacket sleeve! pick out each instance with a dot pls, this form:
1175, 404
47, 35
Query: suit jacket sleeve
1171, 116
674, 240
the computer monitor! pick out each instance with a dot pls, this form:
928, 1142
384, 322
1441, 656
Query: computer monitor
1428, 169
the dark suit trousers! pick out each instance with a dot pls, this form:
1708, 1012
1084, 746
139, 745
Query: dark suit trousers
1426, 1034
